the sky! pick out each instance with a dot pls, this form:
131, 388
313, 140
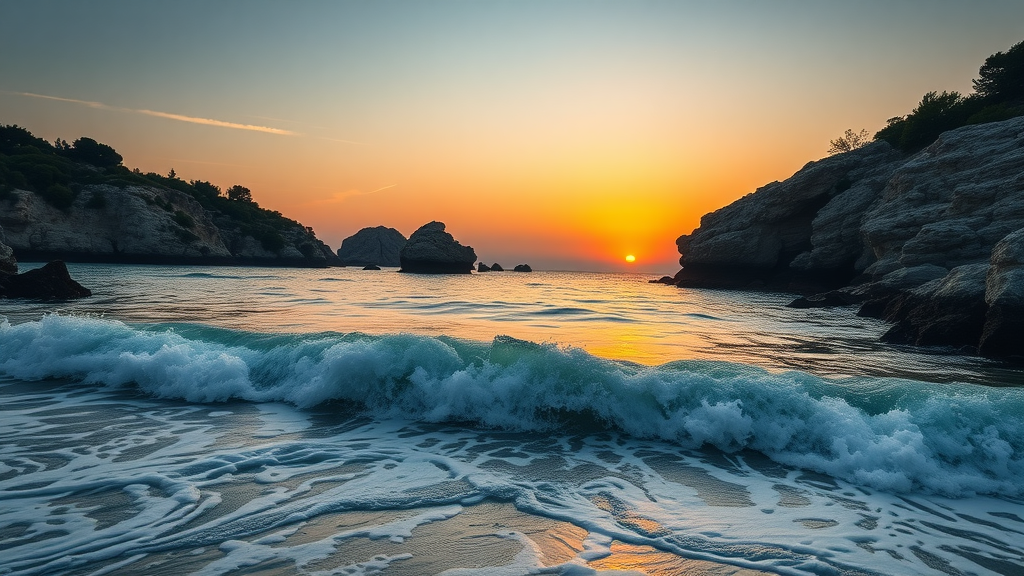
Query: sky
565, 134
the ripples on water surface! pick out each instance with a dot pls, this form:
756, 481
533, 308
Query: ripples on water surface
341, 422
617, 316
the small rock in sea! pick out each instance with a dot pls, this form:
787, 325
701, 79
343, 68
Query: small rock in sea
481, 267
663, 280
51, 282
496, 267
826, 300
371, 267
522, 268
431, 250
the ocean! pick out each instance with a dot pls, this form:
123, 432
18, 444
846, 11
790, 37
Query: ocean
189, 420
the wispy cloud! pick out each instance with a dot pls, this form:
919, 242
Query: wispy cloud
212, 122
167, 115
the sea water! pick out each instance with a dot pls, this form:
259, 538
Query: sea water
340, 421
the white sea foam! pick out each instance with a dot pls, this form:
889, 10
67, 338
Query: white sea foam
102, 481
889, 434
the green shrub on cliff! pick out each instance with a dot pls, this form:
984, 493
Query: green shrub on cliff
998, 95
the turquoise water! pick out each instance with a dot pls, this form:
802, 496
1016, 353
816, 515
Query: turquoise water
233, 420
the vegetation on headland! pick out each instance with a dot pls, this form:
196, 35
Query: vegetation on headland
998, 95
58, 172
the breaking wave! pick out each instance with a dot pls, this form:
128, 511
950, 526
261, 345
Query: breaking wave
890, 434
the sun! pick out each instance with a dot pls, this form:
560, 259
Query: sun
630, 258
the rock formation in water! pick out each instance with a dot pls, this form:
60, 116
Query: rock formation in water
379, 246
481, 267
522, 268
932, 241
431, 250
51, 282
496, 267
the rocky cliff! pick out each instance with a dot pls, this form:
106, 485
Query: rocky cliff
145, 224
78, 202
379, 246
933, 241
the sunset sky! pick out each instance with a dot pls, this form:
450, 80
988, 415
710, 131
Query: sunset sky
566, 134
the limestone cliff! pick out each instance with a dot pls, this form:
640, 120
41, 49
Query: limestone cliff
931, 241
146, 224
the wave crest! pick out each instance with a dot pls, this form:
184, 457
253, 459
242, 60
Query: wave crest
891, 434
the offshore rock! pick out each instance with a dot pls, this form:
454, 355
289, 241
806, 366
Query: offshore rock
431, 250
51, 282
522, 268
930, 241
371, 267
481, 267
496, 267
379, 245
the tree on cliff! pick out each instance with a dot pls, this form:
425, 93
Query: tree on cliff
1001, 77
92, 152
998, 95
239, 194
850, 140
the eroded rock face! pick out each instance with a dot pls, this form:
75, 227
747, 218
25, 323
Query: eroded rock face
931, 241
431, 250
379, 246
799, 228
8, 264
951, 203
1004, 295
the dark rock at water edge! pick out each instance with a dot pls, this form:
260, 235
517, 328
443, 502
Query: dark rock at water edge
8, 263
663, 280
481, 267
522, 268
371, 267
496, 267
51, 282
379, 245
431, 250
826, 300
931, 241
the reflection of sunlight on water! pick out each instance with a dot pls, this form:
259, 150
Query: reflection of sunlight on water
617, 316
647, 561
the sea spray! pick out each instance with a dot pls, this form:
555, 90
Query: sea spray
889, 434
